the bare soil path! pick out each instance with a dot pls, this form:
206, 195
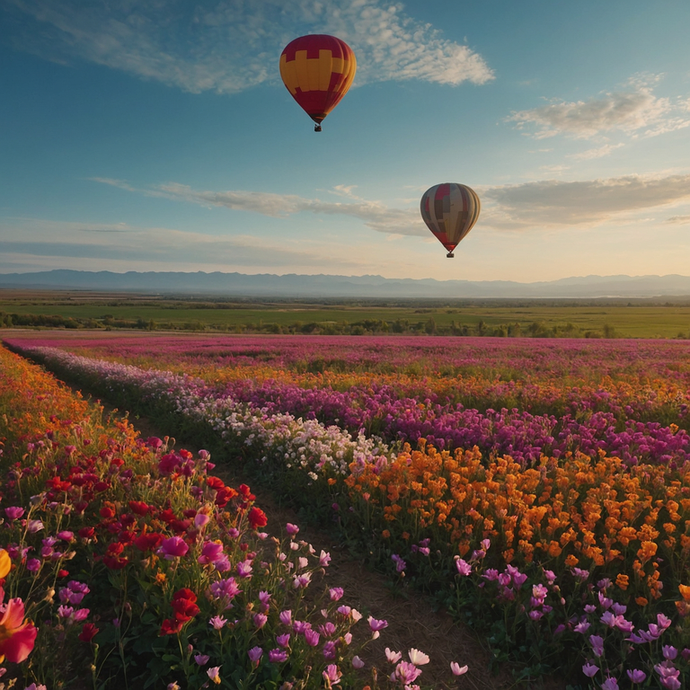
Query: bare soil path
413, 619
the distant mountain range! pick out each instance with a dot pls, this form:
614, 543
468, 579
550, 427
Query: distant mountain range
329, 286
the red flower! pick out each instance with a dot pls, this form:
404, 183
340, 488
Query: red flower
115, 562
107, 511
148, 542
215, 483
88, 632
257, 518
171, 627
246, 493
184, 605
86, 532
139, 507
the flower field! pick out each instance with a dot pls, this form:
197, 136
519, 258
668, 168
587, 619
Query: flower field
125, 563
540, 489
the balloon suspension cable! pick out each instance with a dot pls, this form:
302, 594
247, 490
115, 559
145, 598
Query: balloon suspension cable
450, 255
317, 127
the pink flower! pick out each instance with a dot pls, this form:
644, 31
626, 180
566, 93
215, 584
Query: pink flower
376, 626
291, 529
210, 552
332, 674
214, 674
260, 620
418, 658
336, 593
393, 657
285, 617
324, 559
217, 622
458, 670
405, 673
357, 662
463, 567
636, 676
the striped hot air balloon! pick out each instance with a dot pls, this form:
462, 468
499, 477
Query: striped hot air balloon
450, 210
317, 70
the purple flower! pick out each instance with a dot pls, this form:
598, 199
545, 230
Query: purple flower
610, 684
597, 644
590, 670
201, 659
400, 564
277, 656
255, 654
636, 676
283, 640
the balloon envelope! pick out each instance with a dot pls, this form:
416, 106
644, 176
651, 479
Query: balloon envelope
317, 70
450, 210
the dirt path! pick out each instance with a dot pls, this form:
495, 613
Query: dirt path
412, 620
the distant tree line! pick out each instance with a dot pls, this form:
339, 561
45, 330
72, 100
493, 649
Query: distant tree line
536, 329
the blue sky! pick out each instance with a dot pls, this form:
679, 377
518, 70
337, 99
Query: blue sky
156, 135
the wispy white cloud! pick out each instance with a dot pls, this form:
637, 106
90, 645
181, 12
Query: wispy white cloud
679, 220
119, 246
232, 45
531, 205
634, 111
374, 214
598, 152
553, 203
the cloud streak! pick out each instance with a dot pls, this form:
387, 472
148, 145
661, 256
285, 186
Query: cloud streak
231, 45
635, 111
531, 205
374, 214
553, 203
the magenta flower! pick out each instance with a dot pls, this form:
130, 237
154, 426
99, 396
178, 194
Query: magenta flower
210, 552
260, 620
244, 569
312, 637
283, 640
291, 529
14, 513
285, 617
173, 547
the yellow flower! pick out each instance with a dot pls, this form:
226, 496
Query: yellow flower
5, 563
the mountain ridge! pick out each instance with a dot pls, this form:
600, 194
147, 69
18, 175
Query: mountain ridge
323, 285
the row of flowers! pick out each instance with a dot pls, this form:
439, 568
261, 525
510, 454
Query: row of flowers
379, 411
127, 563
638, 380
576, 552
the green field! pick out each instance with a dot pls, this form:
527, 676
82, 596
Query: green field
555, 318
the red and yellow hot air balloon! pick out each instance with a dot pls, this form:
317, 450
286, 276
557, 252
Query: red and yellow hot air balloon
317, 70
450, 210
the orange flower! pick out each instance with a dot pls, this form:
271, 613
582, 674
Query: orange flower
684, 592
571, 561
641, 601
622, 581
